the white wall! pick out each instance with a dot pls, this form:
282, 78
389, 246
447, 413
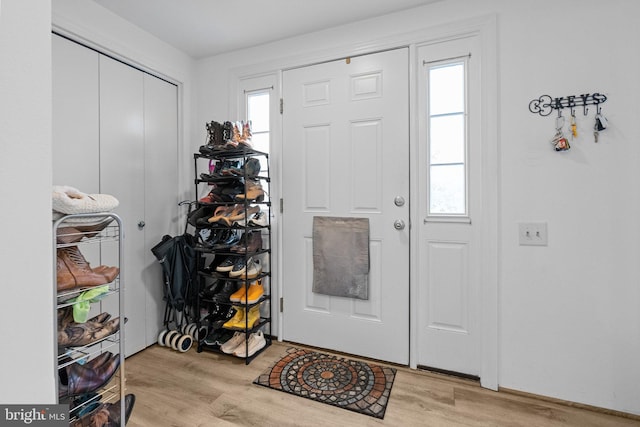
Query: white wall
26, 306
569, 317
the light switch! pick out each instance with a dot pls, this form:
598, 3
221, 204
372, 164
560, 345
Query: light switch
532, 233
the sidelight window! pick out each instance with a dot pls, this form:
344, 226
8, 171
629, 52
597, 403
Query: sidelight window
447, 139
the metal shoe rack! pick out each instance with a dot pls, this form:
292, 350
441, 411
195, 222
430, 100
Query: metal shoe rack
108, 240
209, 306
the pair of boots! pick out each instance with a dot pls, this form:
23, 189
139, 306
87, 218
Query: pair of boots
72, 334
244, 318
74, 271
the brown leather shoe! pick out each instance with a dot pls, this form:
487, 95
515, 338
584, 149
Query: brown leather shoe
64, 279
75, 233
107, 414
77, 379
79, 269
109, 273
78, 334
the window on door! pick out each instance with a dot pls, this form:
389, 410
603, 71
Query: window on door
257, 103
447, 138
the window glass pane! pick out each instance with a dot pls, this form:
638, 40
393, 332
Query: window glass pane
260, 142
446, 135
447, 189
446, 89
258, 111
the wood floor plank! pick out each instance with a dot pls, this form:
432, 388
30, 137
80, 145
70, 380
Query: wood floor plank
210, 389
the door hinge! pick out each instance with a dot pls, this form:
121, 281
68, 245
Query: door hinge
281, 304
281, 205
281, 105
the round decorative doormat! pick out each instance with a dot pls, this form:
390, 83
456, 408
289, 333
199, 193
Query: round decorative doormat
350, 384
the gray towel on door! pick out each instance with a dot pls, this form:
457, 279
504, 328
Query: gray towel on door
341, 256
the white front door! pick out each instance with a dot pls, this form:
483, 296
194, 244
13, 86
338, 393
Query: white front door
346, 154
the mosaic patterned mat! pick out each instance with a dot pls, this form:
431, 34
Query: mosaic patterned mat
345, 383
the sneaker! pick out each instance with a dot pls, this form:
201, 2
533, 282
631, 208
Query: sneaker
252, 268
230, 346
228, 264
259, 219
256, 342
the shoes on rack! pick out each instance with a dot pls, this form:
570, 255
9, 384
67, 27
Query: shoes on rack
77, 379
255, 343
253, 191
225, 292
74, 271
199, 217
251, 243
237, 339
245, 138
222, 317
238, 295
107, 414
240, 218
238, 320
72, 334
244, 318
249, 270
212, 290
227, 264
254, 292
259, 219
109, 273
250, 169
75, 233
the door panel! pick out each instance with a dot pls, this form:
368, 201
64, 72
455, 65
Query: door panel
160, 189
75, 130
345, 154
449, 270
122, 175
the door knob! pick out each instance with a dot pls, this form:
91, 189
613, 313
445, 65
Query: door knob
398, 224
399, 201
141, 225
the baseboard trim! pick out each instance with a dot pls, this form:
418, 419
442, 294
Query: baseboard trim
570, 403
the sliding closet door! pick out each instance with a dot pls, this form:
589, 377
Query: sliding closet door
75, 130
160, 188
122, 175
115, 131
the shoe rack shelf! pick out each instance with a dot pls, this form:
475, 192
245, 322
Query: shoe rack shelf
90, 354
233, 229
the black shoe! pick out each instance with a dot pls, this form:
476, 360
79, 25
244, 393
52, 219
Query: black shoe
225, 292
199, 217
223, 317
231, 238
211, 291
227, 264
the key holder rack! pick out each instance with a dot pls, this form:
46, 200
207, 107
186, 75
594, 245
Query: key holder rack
545, 104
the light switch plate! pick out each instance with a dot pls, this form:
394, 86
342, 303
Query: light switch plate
533, 233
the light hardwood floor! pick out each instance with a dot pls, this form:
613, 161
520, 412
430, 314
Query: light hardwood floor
209, 389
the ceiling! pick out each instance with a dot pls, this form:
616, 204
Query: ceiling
204, 28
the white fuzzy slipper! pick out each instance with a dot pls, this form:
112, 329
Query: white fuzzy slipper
69, 200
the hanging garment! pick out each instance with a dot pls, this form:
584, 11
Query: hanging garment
341, 256
177, 256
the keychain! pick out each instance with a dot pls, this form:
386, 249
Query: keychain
560, 143
574, 127
600, 125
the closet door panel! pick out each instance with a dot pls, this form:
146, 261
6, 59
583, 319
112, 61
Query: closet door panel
161, 189
122, 175
75, 115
